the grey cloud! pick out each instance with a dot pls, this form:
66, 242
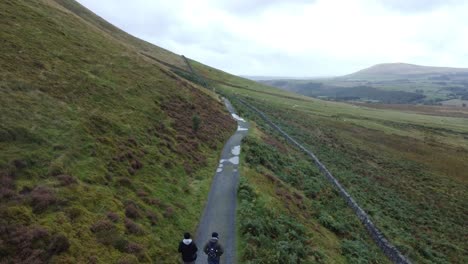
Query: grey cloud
216, 43
276, 63
159, 26
214, 38
139, 17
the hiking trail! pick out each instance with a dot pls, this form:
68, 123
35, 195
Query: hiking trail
219, 214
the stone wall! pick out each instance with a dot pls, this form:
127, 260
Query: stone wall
388, 249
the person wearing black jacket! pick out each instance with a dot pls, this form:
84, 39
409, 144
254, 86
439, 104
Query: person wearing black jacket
213, 249
188, 249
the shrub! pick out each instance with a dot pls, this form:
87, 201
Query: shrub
41, 198
92, 260
196, 121
6, 193
124, 181
25, 190
169, 212
134, 248
136, 164
105, 231
6, 135
141, 193
21, 244
152, 217
66, 180
17, 214
58, 245
133, 228
7, 182
132, 211
168, 164
153, 201
121, 244
132, 142
126, 246
319, 256
356, 251
102, 225
113, 217
56, 168
20, 164
189, 170
312, 186
74, 212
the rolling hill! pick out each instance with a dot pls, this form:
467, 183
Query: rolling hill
388, 83
403, 70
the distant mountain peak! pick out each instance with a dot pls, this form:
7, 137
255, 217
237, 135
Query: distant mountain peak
402, 69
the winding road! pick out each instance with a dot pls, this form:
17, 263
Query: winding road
220, 211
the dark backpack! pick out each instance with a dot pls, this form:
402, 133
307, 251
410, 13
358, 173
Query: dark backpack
212, 251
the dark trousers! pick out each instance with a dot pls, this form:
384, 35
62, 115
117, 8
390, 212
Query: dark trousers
213, 261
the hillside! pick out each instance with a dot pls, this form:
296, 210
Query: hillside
388, 83
102, 159
100, 151
405, 167
109, 144
400, 70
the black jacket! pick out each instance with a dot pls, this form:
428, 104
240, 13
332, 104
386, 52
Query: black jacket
189, 252
215, 244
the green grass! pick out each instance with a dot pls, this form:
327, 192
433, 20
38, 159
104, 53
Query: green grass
90, 126
78, 100
413, 188
406, 169
279, 189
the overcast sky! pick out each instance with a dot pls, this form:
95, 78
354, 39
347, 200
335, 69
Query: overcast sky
300, 38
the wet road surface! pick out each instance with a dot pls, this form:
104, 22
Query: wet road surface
220, 211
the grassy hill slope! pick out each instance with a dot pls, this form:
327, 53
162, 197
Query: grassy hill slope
100, 150
406, 169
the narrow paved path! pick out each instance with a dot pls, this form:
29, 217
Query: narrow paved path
220, 211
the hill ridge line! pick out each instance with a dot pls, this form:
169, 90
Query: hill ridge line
383, 243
